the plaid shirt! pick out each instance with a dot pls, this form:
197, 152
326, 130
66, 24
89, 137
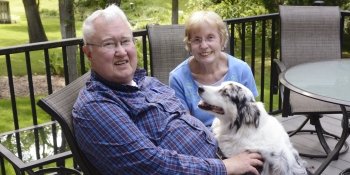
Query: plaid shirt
141, 130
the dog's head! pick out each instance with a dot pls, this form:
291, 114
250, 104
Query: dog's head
230, 102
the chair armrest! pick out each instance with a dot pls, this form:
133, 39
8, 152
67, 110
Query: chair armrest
284, 93
281, 67
277, 68
59, 170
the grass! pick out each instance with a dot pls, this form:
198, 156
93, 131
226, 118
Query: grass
16, 33
24, 112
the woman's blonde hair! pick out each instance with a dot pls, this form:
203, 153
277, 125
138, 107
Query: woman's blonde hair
209, 17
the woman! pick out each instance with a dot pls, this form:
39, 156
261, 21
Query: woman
205, 38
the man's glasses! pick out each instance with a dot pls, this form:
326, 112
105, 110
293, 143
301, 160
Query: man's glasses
110, 45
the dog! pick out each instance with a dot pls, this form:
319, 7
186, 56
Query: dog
242, 124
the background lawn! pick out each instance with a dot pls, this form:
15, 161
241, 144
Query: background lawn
144, 12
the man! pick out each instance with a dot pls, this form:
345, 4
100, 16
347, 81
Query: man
129, 123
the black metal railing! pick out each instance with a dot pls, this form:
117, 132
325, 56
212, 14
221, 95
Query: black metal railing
259, 33
252, 39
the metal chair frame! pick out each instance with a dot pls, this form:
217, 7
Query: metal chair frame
59, 105
308, 34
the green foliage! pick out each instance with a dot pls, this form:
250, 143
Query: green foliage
48, 12
272, 5
141, 13
97, 4
228, 8
56, 65
195, 5
138, 44
18, 64
160, 17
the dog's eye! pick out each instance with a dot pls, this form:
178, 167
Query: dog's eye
224, 92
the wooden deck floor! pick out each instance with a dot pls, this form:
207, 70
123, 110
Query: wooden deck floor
308, 143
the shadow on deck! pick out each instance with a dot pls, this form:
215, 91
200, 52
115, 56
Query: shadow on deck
308, 143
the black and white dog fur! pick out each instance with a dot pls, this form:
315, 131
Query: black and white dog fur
242, 124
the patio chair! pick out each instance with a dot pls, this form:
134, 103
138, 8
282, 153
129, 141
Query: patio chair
167, 49
308, 34
59, 105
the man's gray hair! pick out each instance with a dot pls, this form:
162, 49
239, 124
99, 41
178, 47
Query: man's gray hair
110, 13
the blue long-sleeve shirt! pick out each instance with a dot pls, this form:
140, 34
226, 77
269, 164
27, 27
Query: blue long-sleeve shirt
181, 80
141, 130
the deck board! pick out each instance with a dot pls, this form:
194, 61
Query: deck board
308, 143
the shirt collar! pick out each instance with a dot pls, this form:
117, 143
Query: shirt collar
138, 76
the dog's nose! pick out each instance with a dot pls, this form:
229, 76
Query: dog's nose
200, 90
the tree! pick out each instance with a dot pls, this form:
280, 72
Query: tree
67, 25
36, 30
67, 20
175, 12
85, 7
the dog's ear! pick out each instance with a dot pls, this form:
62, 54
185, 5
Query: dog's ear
249, 114
238, 94
247, 111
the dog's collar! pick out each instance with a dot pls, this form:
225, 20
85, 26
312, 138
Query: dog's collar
220, 155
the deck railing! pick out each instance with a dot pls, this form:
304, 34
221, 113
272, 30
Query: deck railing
252, 39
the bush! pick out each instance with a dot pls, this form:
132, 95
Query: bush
47, 12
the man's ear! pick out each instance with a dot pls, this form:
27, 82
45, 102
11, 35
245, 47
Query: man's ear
87, 51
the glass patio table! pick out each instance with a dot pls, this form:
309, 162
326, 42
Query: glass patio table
328, 81
34, 147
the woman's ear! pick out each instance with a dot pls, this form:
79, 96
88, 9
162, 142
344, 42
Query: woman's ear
223, 44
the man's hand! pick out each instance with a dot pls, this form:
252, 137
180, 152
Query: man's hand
243, 163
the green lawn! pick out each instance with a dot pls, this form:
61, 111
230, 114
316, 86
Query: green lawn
23, 111
16, 33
